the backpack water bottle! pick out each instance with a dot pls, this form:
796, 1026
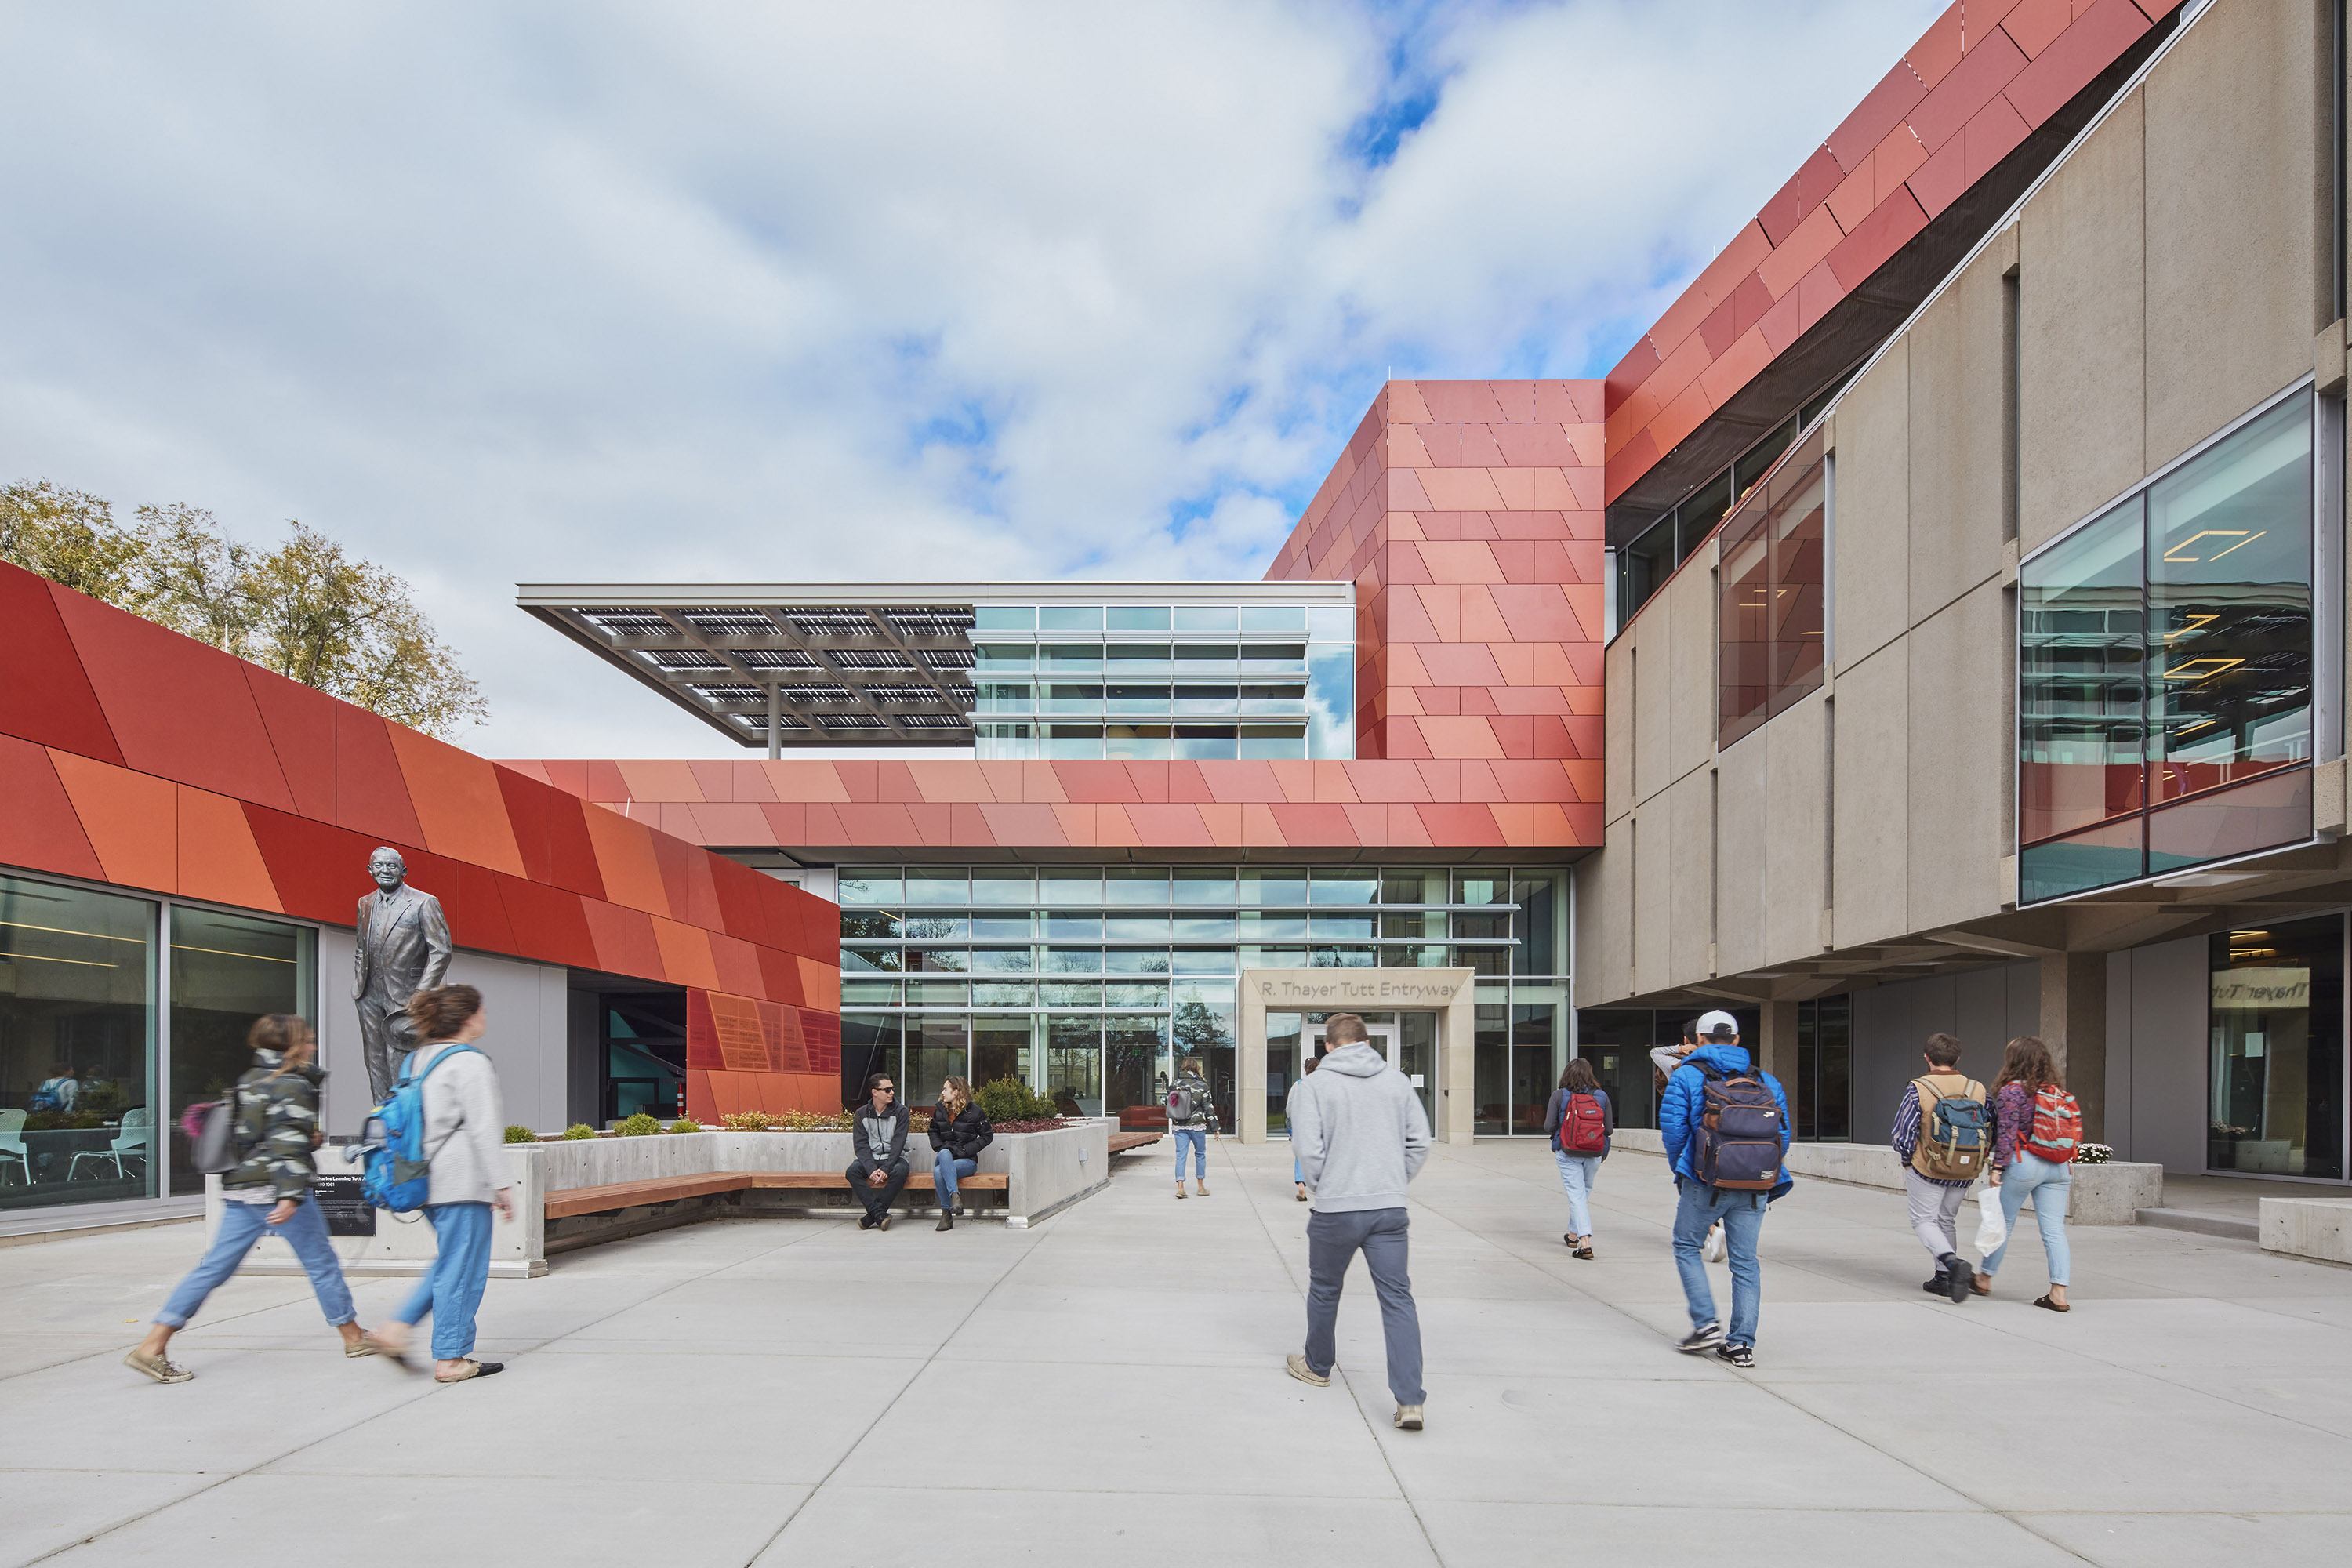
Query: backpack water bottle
2056, 1134
1583, 1130
1955, 1131
395, 1170
1736, 1143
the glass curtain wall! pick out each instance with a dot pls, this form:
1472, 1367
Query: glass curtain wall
1137, 682
1617, 1041
93, 1072
226, 970
2166, 673
1092, 984
2276, 1016
1822, 1098
1769, 621
76, 1046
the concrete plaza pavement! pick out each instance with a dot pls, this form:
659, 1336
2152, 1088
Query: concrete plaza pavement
1109, 1387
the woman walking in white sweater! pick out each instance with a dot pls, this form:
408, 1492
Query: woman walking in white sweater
465, 1131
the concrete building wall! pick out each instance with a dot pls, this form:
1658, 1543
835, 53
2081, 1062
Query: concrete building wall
2156, 1101
1985, 1008
2167, 277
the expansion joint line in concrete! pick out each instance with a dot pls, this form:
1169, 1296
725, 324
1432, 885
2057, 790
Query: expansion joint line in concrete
1773, 1392
1044, 1234
425, 1392
1379, 1447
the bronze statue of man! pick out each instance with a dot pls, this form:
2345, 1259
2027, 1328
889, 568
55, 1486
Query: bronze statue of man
402, 948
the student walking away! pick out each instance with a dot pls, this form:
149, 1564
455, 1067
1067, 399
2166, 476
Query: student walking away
1725, 1128
2038, 1130
274, 1128
1360, 1136
465, 1135
1191, 1117
1297, 1175
960, 1131
1663, 1060
1942, 1135
1582, 1124
878, 1135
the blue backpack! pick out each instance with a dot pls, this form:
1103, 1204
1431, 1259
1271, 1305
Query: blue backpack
396, 1169
1736, 1142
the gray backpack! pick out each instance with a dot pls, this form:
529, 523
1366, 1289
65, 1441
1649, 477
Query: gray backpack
214, 1154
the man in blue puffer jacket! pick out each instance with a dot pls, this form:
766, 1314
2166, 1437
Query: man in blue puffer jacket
1741, 1214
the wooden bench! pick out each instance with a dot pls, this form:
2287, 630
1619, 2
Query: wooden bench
1120, 1142
572, 1201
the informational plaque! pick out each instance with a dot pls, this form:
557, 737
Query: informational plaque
345, 1205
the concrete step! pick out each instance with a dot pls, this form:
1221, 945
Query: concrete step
2203, 1224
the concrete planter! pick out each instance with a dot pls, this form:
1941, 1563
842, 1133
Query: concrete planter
2307, 1227
1047, 1171
2113, 1193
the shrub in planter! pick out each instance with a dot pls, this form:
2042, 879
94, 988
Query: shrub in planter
686, 1124
2093, 1154
1009, 1100
579, 1130
522, 1135
747, 1121
813, 1122
638, 1126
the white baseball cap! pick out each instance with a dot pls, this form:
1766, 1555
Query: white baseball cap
1717, 1022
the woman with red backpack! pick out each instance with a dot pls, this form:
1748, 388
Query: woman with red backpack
1581, 1122
2037, 1130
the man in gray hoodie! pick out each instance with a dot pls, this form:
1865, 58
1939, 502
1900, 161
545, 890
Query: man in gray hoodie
1359, 1135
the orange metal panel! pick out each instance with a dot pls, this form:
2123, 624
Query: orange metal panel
218, 860
131, 818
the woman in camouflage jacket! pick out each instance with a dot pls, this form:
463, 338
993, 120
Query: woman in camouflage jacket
277, 1126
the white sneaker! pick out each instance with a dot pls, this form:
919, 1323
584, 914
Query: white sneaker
1714, 1247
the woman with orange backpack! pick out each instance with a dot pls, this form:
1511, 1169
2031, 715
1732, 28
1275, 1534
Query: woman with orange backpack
1581, 1122
2038, 1128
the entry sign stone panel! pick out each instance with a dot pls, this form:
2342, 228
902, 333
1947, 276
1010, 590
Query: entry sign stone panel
1445, 992
1342, 991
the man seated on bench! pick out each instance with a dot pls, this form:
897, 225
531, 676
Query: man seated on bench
879, 1136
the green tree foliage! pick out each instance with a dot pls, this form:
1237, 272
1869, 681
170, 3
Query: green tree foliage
307, 609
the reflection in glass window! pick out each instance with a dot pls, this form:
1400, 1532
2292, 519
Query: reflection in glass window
2228, 607
2164, 655
226, 970
1137, 619
1769, 653
77, 1121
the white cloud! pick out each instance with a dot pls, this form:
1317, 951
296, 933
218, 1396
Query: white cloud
501, 294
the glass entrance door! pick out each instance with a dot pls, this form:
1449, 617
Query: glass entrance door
1410, 1045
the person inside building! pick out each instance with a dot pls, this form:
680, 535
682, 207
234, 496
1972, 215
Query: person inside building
878, 1136
1705, 1144
960, 1131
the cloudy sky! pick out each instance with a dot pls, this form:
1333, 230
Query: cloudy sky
501, 292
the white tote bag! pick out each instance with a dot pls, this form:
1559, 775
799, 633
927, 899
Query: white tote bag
1992, 1227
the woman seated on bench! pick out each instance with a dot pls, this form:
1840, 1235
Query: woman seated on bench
960, 1131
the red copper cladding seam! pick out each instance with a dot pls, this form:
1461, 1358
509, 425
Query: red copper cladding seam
1962, 97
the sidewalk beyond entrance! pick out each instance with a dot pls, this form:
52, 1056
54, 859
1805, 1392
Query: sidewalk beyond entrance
1109, 1385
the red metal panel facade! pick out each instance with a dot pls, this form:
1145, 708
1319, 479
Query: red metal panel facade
241, 788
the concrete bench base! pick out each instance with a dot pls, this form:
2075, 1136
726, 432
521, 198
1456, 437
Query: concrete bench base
2307, 1227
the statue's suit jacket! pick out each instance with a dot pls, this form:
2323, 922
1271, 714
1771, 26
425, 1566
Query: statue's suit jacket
412, 939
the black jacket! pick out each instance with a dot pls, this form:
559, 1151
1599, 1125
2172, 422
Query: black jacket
878, 1147
966, 1136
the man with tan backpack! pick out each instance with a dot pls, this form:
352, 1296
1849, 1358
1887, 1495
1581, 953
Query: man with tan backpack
1942, 1132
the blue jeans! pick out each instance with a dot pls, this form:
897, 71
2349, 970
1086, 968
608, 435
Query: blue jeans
1332, 1242
241, 1226
1576, 1174
1197, 1140
945, 1169
2049, 1186
452, 1288
1742, 1215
